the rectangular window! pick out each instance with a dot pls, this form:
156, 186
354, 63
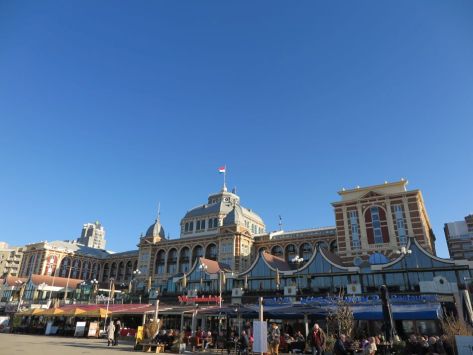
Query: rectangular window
202, 224
401, 228
186, 227
191, 226
197, 226
210, 223
355, 230
378, 236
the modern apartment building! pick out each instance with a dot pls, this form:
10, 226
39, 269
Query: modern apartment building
459, 236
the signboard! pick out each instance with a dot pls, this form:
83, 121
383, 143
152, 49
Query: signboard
464, 344
208, 299
139, 334
80, 329
50, 329
260, 335
93, 330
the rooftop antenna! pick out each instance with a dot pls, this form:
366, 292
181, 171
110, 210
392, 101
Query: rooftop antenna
280, 223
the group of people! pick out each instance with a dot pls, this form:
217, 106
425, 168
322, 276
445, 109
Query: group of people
113, 332
424, 345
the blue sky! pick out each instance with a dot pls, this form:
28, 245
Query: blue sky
107, 108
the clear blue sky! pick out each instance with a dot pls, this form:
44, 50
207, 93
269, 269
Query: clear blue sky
107, 108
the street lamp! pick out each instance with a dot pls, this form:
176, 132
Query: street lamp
94, 285
136, 274
404, 251
51, 263
22, 291
108, 301
203, 268
221, 280
297, 260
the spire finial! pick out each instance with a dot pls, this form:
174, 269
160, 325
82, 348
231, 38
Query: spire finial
159, 213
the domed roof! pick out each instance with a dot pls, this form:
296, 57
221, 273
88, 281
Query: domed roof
155, 230
235, 216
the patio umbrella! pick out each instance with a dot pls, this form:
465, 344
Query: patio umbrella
97, 313
74, 312
52, 312
32, 312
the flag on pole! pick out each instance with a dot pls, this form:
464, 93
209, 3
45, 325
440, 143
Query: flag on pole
222, 169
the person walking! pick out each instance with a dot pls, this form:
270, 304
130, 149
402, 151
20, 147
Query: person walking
274, 338
117, 329
339, 347
110, 333
244, 343
317, 340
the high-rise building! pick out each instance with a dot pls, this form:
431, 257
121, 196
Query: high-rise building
459, 236
10, 259
93, 235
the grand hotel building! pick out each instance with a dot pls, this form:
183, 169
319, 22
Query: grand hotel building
371, 224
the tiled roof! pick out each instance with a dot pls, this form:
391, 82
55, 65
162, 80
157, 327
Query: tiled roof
213, 266
276, 262
78, 249
58, 281
11, 280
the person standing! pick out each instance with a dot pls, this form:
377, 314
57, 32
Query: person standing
339, 347
317, 340
274, 338
110, 333
244, 343
117, 329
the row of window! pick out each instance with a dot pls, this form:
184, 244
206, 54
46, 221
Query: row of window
375, 220
200, 225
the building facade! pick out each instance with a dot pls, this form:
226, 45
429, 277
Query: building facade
93, 235
459, 236
372, 224
10, 260
380, 219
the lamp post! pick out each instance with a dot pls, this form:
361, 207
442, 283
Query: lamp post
203, 268
136, 273
51, 263
41, 287
221, 280
297, 260
94, 286
68, 275
20, 295
404, 251
108, 303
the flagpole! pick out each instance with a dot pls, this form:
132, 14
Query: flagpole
225, 176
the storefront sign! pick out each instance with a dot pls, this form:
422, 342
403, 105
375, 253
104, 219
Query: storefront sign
203, 299
80, 329
371, 299
93, 330
276, 301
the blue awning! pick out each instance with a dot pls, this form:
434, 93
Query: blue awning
400, 312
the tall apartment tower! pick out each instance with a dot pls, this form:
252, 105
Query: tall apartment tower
93, 235
459, 236
380, 219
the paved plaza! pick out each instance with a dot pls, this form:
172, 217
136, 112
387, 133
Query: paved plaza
11, 344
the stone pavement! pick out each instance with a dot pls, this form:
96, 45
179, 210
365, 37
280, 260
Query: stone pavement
12, 344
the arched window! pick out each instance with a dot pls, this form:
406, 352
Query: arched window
106, 272
86, 270
291, 252
64, 268
75, 269
197, 253
184, 260
211, 252
333, 247
277, 251
376, 225
121, 271
113, 271
305, 251
172, 261
128, 270
160, 261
